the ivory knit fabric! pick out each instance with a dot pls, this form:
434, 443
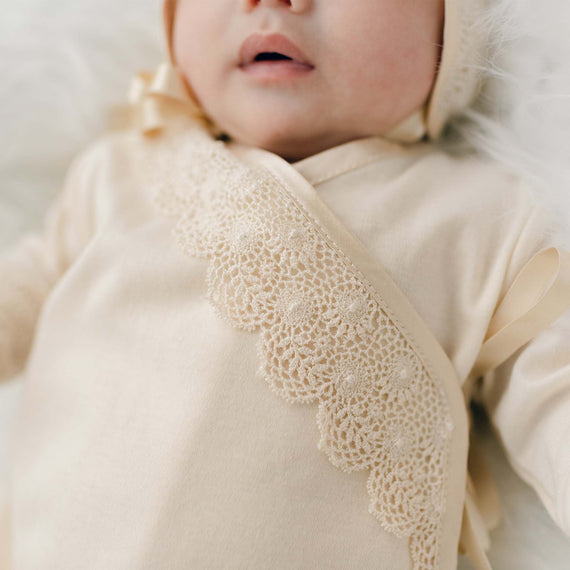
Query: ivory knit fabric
146, 440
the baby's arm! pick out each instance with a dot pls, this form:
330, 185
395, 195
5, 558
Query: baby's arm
31, 267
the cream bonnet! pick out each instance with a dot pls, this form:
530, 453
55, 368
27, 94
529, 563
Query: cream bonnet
458, 79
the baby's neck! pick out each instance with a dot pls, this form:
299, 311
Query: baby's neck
295, 151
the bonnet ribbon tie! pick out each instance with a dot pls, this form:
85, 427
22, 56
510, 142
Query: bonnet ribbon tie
539, 295
154, 98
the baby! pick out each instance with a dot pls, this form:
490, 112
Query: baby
277, 228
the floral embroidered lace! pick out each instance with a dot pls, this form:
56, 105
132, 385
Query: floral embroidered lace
326, 335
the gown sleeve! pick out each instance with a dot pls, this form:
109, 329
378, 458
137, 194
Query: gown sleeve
527, 395
31, 267
527, 399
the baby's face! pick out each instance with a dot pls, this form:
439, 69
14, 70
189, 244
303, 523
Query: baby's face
358, 67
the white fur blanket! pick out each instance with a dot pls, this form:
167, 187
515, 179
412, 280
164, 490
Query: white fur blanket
62, 62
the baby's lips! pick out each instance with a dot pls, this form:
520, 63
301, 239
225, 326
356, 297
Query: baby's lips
271, 43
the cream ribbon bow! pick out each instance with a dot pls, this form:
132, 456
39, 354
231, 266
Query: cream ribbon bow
154, 98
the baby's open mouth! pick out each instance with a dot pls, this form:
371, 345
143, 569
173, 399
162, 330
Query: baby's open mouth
271, 56
273, 49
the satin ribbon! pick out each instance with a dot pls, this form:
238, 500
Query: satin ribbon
409, 130
155, 98
482, 506
539, 295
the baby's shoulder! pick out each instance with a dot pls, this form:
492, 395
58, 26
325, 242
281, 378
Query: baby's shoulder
482, 192
481, 184
505, 205
111, 147
111, 172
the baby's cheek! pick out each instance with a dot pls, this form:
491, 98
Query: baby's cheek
195, 30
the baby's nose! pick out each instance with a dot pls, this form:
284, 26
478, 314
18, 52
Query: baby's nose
295, 5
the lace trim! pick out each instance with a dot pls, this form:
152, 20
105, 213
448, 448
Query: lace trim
325, 334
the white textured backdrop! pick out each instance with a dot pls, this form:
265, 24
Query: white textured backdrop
63, 62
